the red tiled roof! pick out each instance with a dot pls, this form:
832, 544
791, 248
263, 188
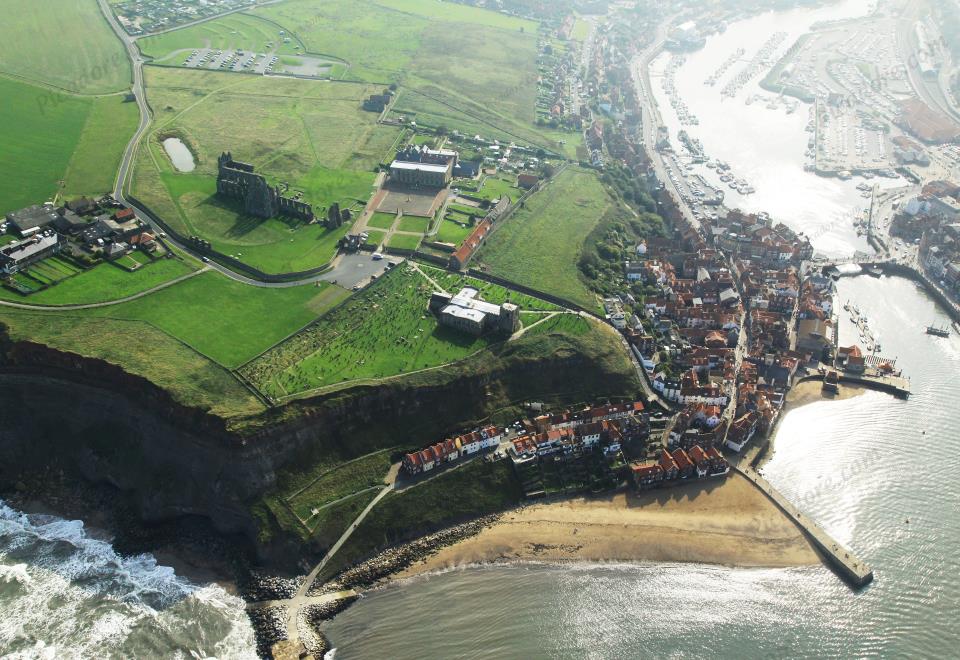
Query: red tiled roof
667, 462
682, 459
698, 455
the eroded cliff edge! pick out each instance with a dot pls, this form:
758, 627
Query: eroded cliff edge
169, 459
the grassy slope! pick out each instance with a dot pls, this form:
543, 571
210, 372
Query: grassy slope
473, 490
64, 43
140, 349
540, 244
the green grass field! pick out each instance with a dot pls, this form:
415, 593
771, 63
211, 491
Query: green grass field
382, 332
466, 68
58, 144
64, 43
226, 321
92, 170
375, 236
312, 136
103, 283
452, 232
541, 243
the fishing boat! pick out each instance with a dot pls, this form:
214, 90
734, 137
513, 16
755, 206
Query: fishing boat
937, 332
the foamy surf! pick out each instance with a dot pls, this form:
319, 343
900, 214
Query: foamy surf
73, 596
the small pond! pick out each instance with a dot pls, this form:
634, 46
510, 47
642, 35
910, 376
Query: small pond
179, 154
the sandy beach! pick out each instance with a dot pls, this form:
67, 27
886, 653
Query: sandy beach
723, 521
811, 391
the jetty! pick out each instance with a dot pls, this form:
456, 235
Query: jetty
846, 564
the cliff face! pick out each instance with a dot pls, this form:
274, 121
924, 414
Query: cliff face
173, 460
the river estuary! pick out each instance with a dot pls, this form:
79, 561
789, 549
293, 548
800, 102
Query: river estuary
876, 472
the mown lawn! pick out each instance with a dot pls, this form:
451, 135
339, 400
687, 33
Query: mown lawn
381, 220
414, 224
540, 244
103, 283
64, 43
452, 232
385, 331
404, 242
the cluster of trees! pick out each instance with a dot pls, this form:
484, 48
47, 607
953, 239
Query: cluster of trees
630, 187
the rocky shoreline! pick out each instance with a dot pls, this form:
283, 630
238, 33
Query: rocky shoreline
373, 571
269, 623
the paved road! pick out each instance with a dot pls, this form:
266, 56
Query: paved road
108, 303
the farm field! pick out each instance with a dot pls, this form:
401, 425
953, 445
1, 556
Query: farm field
191, 378
312, 136
49, 138
382, 332
92, 170
67, 44
541, 243
102, 283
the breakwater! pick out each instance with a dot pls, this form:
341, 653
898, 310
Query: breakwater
852, 569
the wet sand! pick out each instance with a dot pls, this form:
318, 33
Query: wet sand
717, 521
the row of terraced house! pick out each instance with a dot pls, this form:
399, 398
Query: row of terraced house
678, 466
452, 450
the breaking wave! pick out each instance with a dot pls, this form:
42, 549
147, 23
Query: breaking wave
65, 594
